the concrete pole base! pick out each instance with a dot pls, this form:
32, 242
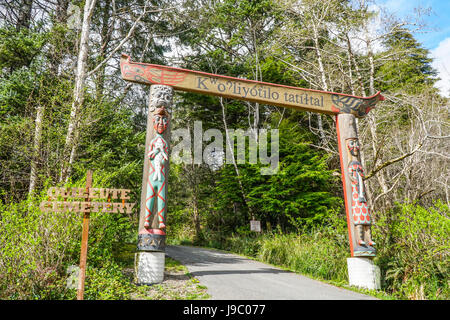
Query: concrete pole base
149, 267
363, 273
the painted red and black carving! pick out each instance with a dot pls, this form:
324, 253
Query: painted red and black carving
152, 74
156, 181
357, 106
248, 90
360, 211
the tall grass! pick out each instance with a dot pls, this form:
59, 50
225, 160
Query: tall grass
319, 252
311, 254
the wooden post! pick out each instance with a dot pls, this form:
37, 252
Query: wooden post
151, 231
152, 219
356, 208
84, 240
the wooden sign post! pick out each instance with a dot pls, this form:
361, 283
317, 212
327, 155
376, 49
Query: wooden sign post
84, 240
344, 107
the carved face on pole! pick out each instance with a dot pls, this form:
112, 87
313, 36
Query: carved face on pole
353, 146
160, 120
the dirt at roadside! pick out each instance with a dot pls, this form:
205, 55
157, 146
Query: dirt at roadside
178, 284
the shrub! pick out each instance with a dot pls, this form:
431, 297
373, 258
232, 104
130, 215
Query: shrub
36, 248
414, 251
107, 283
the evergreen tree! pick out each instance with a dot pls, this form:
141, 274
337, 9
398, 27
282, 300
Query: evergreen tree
410, 71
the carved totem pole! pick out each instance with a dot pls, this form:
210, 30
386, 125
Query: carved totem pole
152, 219
358, 214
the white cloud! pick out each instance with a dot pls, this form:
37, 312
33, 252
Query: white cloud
441, 63
400, 6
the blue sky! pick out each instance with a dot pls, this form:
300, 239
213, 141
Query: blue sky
437, 37
438, 22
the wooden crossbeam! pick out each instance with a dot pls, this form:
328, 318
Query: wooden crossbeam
249, 90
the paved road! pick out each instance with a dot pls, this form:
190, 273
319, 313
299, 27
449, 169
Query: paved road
232, 277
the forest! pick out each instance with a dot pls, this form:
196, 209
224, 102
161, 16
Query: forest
65, 109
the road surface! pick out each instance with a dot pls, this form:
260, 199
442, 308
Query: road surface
232, 277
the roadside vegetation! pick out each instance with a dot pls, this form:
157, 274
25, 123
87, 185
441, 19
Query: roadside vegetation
413, 255
37, 250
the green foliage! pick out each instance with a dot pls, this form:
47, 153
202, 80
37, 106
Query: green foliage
299, 194
35, 248
112, 147
21, 93
15, 90
19, 47
314, 254
13, 138
107, 283
410, 72
274, 71
414, 250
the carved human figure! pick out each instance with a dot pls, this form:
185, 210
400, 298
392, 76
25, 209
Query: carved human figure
156, 183
159, 156
360, 210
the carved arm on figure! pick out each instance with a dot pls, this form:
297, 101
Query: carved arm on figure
153, 153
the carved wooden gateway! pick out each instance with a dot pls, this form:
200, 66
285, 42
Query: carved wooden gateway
163, 80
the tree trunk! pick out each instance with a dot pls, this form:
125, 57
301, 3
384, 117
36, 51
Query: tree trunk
61, 18
231, 147
78, 93
105, 38
322, 77
56, 53
371, 117
36, 148
24, 16
258, 77
353, 61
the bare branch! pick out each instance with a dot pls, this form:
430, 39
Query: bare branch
124, 40
392, 161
